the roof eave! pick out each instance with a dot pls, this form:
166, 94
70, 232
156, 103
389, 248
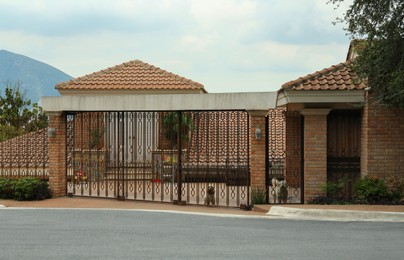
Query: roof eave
319, 96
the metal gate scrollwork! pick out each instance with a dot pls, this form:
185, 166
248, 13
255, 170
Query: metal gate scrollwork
159, 156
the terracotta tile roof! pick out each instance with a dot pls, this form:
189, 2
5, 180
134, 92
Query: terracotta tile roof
136, 75
337, 77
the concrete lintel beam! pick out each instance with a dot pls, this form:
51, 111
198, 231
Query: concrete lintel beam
255, 101
315, 111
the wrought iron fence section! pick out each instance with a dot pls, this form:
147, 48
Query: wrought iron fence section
24, 154
284, 171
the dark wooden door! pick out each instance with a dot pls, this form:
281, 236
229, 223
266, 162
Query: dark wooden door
343, 148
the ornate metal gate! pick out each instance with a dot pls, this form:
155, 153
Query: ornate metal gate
159, 156
284, 176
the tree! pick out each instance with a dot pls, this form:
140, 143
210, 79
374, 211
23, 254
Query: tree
171, 127
381, 57
17, 115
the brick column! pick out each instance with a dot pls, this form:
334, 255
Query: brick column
364, 140
57, 154
315, 151
257, 149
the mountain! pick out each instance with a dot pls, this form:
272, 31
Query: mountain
37, 78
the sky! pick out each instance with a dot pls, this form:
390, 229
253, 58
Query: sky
226, 45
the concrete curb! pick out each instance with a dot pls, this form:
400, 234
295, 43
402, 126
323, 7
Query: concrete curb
334, 215
2, 206
149, 210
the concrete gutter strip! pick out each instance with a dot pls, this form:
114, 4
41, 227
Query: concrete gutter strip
335, 215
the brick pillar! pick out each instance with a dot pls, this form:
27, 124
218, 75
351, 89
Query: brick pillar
257, 149
315, 151
364, 140
57, 154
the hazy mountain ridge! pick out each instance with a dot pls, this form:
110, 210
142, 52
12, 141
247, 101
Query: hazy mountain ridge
37, 78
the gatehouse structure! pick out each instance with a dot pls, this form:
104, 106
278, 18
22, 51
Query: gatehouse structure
135, 131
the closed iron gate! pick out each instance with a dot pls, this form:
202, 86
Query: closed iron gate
159, 156
284, 175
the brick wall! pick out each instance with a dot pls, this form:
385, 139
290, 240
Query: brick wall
57, 155
257, 150
382, 141
315, 151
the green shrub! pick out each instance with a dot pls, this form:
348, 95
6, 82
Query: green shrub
7, 188
372, 190
333, 194
258, 196
395, 186
333, 189
24, 189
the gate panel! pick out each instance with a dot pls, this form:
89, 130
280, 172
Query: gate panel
159, 156
284, 157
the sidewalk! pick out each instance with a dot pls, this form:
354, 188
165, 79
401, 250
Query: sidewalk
306, 212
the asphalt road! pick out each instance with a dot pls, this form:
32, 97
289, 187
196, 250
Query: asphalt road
117, 234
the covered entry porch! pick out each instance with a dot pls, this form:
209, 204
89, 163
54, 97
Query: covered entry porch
119, 147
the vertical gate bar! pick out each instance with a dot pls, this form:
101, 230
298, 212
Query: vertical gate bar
267, 189
196, 151
122, 177
179, 160
81, 153
97, 176
188, 136
67, 151
248, 158
135, 144
153, 148
127, 164
89, 163
119, 153
227, 124
109, 146
116, 152
301, 160
144, 117
147, 163
133, 126
159, 158
206, 177
74, 154
238, 176
219, 168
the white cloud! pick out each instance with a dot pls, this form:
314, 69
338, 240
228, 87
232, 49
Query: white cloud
227, 45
